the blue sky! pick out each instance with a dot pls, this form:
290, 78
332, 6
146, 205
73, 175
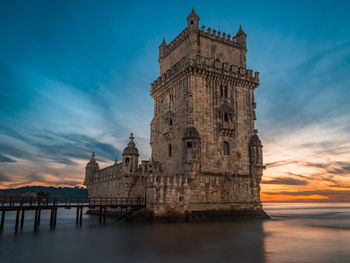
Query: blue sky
75, 75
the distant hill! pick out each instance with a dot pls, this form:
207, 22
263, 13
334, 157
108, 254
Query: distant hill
46, 191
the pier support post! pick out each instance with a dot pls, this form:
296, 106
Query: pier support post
77, 217
55, 217
36, 220
17, 220
51, 218
81, 216
100, 215
2, 220
104, 215
39, 215
22, 218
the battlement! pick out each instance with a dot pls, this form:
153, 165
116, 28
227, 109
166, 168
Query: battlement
208, 65
221, 37
173, 44
209, 33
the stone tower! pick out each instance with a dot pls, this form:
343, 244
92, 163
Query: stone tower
203, 124
207, 158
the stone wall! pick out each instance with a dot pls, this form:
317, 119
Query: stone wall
181, 194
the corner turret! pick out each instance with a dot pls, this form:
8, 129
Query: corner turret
242, 38
130, 157
193, 20
90, 169
162, 49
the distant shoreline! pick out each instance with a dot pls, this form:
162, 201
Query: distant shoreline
49, 190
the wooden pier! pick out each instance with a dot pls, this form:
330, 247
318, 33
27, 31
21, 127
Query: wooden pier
21, 204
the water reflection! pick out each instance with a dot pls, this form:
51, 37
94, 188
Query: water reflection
308, 233
296, 233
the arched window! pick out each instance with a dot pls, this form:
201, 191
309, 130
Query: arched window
225, 92
221, 91
171, 122
225, 117
226, 148
127, 160
170, 150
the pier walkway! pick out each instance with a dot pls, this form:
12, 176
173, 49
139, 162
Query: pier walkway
21, 204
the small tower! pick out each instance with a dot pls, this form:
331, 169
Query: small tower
256, 158
192, 26
162, 48
130, 157
90, 169
242, 38
193, 20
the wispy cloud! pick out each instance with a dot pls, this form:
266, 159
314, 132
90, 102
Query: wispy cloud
285, 181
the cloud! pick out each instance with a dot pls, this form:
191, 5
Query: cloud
281, 163
331, 167
332, 195
10, 150
75, 146
4, 178
5, 159
286, 181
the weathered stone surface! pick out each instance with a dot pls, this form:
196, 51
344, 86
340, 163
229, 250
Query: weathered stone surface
206, 154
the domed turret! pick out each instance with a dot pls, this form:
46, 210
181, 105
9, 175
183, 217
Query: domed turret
130, 157
90, 169
162, 48
242, 38
193, 20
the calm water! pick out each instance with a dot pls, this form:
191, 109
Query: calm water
296, 233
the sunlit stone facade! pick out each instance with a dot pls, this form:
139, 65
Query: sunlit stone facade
206, 154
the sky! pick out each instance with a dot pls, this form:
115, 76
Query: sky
75, 78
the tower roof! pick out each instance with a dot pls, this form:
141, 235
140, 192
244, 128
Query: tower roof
92, 162
240, 31
193, 17
131, 149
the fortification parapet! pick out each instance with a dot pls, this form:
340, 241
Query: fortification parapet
201, 64
173, 44
212, 34
221, 37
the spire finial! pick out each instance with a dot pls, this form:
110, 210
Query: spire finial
193, 18
93, 155
131, 137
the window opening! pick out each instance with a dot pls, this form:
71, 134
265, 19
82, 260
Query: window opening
226, 117
170, 150
226, 148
